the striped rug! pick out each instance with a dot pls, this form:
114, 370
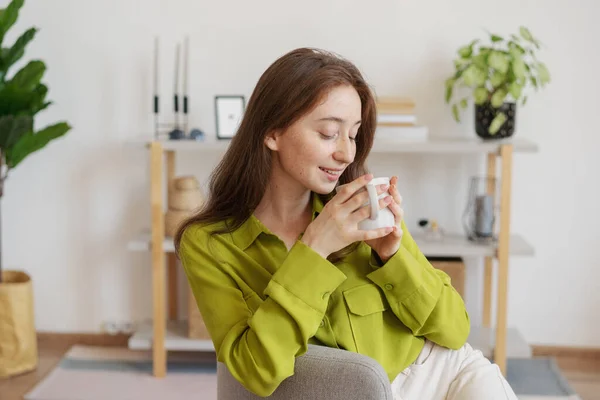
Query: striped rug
94, 373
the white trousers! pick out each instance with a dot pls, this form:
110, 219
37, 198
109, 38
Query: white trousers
444, 374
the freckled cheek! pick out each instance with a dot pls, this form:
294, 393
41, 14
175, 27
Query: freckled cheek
304, 164
307, 153
297, 161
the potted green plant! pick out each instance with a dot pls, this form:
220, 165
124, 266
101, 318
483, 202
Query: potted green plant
496, 76
22, 96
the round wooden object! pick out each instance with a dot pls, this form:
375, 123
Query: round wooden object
185, 200
186, 183
173, 220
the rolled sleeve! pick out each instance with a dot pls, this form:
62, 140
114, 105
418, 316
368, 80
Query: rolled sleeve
307, 276
422, 297
401, 276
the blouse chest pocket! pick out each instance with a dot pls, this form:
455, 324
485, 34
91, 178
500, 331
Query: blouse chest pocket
366, 306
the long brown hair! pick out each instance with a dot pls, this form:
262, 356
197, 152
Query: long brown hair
290, 88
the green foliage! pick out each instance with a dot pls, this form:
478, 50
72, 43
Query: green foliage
22, 96
496, 72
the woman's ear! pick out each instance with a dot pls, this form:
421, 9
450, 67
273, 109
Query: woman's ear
271, 140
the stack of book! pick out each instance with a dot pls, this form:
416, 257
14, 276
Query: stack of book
397, 120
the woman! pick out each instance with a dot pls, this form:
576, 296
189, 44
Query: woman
275, 259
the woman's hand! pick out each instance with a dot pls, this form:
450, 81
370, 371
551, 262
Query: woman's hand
388, 245
337, 225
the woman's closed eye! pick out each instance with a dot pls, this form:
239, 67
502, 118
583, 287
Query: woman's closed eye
330, 136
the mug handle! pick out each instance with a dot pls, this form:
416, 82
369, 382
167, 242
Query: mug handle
373, 201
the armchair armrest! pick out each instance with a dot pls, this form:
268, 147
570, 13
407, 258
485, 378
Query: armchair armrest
321, 373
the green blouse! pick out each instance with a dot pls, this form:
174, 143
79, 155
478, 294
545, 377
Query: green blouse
262, 305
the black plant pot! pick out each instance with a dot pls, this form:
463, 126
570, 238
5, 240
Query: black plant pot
485, 114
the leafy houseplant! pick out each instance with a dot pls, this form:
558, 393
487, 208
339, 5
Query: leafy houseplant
496, 76
22, 96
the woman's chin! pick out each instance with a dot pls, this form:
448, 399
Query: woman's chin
324, 188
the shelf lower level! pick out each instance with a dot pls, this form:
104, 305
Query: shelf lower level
176, 340
452, 245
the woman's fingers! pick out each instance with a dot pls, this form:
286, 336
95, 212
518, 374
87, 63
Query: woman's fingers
365, 211
357, 201
361, 214
348, 190
375, 233
395, 194
398, 214
385, 201
361, 198
382, 188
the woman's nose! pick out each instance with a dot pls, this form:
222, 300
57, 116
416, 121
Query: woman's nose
344, 151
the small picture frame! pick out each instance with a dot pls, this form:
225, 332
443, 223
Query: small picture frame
229, 111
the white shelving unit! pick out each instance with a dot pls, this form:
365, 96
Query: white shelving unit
499, 342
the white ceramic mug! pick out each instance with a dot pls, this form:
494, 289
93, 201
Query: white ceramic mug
378, 218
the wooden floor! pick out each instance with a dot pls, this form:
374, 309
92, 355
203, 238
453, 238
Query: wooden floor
583, 374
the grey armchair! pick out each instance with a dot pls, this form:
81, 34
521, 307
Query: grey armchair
320, 373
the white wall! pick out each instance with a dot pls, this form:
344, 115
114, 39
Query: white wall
69, 209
